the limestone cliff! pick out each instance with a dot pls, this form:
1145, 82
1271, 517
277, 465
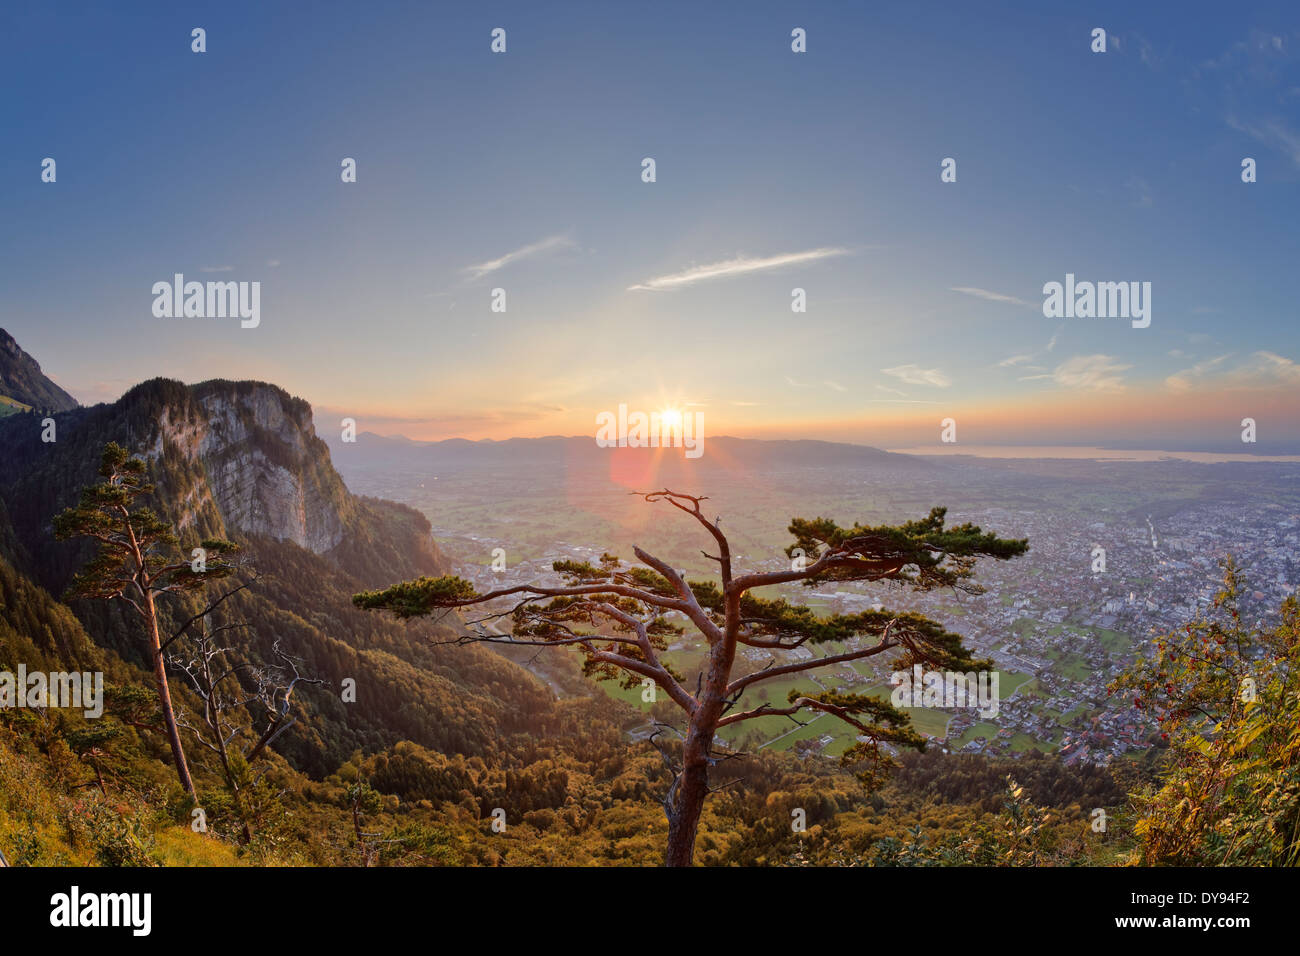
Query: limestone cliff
230, 459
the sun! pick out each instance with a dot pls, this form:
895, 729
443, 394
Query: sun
671, 417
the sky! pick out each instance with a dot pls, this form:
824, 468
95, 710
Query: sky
774, 170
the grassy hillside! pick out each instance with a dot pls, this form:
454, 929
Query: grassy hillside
11, 406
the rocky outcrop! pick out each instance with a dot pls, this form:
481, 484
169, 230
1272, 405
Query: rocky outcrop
267, 472
22, 380
237, 460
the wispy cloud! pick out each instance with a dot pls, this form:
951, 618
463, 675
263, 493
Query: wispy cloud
1184, 380
1150, 57
1098, 373
1259, 370
741, 265
987, 295
216, 268
1246, 85
891, 391
1272, 132
1022, 360
1277, 367
915, 375
835, 386
549, 244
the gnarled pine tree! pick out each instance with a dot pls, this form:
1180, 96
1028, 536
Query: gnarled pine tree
616, 616
138, 559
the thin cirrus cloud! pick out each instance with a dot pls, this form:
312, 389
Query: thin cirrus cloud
1023, 360
741, 265
1185, 379
988, 296
1259, 370
915, 375
1273, 133
549, 244
1097, 373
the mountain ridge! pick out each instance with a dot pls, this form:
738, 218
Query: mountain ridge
22, 380
241, 460
374, 452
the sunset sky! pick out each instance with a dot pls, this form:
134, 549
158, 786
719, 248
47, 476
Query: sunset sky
775, 170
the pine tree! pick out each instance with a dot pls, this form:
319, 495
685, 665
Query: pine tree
137, 560
616, 617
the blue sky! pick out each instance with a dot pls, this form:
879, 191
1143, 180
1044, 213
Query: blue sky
774, 170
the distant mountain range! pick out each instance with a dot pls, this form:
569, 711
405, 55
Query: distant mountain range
372, 452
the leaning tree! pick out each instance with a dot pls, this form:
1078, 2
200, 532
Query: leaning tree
137, 560
619, 618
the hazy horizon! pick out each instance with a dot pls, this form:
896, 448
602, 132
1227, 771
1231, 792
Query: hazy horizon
1116, 452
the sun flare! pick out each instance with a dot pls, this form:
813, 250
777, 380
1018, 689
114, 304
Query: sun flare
671, 417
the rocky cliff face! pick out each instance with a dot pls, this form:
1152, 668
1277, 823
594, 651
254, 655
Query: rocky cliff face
22, 380
267, 472
241, 460
238, 460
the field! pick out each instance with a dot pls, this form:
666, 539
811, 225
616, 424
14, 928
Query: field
9, 406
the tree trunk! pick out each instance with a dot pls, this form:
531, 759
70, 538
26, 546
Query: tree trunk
361, 842
688, 800
165, 700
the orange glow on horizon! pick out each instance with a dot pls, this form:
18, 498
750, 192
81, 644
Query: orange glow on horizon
1048, 418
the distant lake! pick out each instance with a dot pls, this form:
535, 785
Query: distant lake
1083, 452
